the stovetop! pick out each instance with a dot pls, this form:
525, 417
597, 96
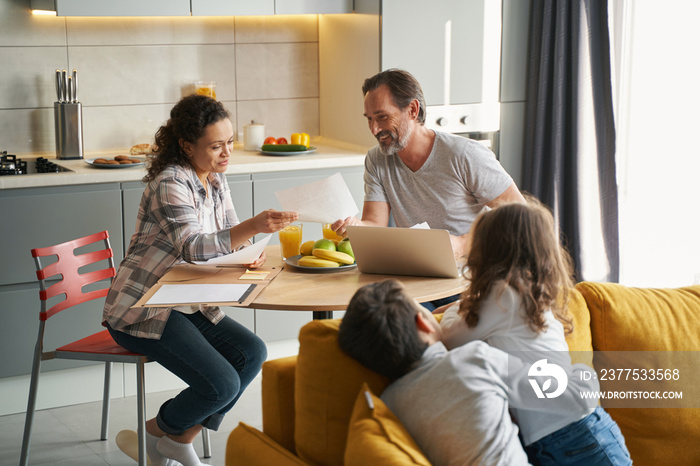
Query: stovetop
11, 165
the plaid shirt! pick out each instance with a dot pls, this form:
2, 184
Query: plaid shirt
168, 230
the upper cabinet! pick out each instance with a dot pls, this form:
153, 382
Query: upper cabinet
232, 7
305, 7
122, 8
192, 7
455, 53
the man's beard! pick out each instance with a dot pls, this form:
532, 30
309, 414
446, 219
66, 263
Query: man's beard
398, 139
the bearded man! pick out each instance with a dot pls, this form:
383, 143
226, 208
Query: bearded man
420, 175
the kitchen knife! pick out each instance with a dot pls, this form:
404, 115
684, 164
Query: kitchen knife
64, 85
59, 92
75, 85
70, 89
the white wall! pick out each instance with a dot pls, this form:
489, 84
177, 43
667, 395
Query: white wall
133, 70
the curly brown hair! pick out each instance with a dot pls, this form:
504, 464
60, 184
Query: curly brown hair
188, 120
518, 244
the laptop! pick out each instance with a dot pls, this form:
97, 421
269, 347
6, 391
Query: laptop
403, 251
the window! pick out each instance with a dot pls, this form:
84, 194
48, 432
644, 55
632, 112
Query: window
657, 111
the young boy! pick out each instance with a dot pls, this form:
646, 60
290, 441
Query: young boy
453, 403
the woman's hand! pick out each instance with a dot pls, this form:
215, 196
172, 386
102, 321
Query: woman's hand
258, 262
270, 220
267, 221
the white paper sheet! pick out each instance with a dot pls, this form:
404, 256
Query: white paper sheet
323, 201
244, 256
190, 293
422, 226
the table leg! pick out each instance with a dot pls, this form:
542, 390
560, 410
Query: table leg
320, 315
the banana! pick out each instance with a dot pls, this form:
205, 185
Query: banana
336, 256
311, 261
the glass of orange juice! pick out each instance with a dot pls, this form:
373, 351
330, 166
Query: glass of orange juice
328, 233
290, 240
207, 88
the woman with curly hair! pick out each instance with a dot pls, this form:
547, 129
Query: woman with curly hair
517, 301
186, 213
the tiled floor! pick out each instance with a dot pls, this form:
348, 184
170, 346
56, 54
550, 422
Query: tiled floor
71, 435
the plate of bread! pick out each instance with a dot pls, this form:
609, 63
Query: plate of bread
124, 161
118, 161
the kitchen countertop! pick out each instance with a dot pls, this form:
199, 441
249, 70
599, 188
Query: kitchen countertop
329, 154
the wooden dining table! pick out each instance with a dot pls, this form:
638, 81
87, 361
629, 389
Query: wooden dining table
324, 291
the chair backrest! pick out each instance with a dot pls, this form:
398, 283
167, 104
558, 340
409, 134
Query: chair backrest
67, 266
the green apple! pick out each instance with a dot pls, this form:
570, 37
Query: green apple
325, 244
344, 246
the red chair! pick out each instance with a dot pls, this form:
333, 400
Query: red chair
100, 346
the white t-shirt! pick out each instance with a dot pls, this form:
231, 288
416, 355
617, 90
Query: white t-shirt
454, 184
502, 324
455, 404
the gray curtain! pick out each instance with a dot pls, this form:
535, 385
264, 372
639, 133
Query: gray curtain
569, 127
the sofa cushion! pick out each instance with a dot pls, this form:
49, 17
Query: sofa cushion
278, 400
643, 319
247, 445
653, 320
580, 341
376, 436
326, 386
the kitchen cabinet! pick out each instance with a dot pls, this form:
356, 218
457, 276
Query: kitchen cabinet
131, 198
193, 7
232, 7
37, 217
457, 58
242, 195
120, 8
305, 7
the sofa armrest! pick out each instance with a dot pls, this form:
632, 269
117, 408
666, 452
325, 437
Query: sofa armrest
278, 412
247, 446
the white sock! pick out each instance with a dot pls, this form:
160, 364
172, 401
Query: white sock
154, 455
182, 452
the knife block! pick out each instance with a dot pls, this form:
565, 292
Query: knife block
68, 119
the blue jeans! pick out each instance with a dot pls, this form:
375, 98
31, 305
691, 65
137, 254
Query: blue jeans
432, 305
216, 361
594, 440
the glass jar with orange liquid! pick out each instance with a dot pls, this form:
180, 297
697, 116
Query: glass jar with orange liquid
328, 233
290, 240
207, 88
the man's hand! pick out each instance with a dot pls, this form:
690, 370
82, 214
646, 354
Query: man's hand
461, 245
340, 226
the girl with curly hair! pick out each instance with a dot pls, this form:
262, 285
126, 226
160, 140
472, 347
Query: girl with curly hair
517, 301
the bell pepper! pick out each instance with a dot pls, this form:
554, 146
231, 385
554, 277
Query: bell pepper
301, 139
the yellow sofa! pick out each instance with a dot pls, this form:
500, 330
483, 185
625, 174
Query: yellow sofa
316, 409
